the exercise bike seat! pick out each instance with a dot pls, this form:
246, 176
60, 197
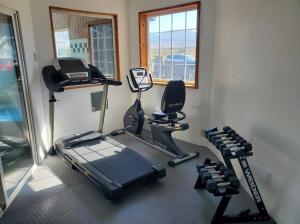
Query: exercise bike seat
158, 115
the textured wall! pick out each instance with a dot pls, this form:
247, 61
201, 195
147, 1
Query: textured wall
256, 90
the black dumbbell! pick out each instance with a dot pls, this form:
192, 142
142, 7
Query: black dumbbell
224, 133
209, 130
232, 139
232, 144
230, 135
207, 162
213, 185
246, 147
219, 134
217, 170
214, 130
215, 166
217, 175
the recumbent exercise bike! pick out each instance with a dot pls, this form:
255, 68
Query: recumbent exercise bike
162, 124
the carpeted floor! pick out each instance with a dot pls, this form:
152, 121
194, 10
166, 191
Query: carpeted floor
57, 194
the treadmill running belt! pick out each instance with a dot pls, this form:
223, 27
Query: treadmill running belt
123, 167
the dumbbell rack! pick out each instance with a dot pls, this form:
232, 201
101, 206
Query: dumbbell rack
244, 216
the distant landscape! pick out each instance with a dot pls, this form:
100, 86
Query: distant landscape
178, 39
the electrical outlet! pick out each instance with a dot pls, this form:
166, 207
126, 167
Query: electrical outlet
268, 176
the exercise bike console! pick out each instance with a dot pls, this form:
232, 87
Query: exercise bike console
139, 80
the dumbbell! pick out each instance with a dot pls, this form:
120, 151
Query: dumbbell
207, 162
233, 139
246, 147
232, 144
226, 130
229, 135
217, 175
217, 166
219, 134
214, 130
218, 170
213, 185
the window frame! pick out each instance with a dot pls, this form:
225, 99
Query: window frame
143, 37
55, 9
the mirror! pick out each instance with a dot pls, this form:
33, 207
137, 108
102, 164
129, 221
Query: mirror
87, 35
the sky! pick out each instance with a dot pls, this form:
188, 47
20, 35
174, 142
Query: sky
176, 30
176, 21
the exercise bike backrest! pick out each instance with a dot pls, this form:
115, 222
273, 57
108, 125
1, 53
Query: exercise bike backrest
173, 98
172, 102
139, 80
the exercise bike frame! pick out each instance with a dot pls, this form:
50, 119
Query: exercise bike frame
161, 129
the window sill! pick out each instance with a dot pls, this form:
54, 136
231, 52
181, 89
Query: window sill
189, 85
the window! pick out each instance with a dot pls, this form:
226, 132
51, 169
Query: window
101, 38
62, 41
169, 43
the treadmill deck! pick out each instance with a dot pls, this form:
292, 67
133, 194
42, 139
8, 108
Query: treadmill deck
108, 163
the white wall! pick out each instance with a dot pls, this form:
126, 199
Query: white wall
256, 91
197, 100
23, 7
73, 112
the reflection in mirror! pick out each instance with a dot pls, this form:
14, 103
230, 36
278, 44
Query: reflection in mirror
86, 35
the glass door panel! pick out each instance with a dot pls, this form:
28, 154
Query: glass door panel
15, 145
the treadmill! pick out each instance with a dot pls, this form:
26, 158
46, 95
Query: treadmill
109, 164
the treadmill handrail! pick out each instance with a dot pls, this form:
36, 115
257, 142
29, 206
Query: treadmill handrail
109, 82
51, 85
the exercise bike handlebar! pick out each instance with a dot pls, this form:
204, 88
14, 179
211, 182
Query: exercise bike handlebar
168, 121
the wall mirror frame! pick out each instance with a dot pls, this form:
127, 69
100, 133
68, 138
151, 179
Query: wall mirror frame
92, 36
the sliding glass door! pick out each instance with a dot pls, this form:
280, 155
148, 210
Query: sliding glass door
16, 158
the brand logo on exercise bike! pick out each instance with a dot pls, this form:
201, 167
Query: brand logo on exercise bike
175, 104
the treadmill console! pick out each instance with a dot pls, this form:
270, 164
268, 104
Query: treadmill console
66, 72
139, 80
73, 69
